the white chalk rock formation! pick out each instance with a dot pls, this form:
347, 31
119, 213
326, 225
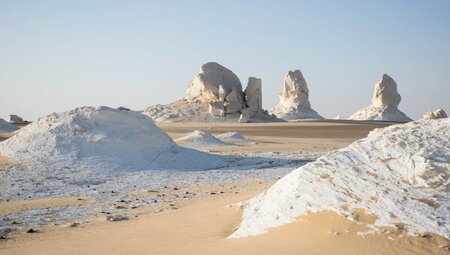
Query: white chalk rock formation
216, 109
6, 126
253, 94
102, 139
234, 101
398, 174
438, 114
206, 85
215, 95
14, 119
385, 103
294, 99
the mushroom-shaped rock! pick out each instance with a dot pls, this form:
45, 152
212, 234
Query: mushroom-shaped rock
253, 94
438, 114
294, 99
205, 87
385, 103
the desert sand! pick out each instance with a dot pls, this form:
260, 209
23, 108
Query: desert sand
318, 135
202, 224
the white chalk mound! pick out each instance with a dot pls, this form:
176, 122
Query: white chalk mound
103, 139
437, 114
232, 136
294, 99
385, 103
200, 138
7, 127
400, 174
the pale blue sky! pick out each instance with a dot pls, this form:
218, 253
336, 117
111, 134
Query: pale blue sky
57, 55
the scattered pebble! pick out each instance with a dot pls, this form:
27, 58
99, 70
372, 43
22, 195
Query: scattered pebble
116, 218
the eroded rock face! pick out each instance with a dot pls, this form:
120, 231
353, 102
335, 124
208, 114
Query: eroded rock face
437, 114
205, 87
234, 101
216, 109
253, 94
294, 99
385, 103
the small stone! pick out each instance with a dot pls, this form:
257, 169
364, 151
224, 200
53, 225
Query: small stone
74, 225
116, 218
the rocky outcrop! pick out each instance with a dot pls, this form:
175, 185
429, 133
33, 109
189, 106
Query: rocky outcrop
216, 109
385, 103
294, 99
14, 119
215, 95
253, 94
437, 114
206, 85
215, 83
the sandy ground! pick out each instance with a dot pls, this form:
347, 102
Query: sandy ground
202, 226
23, 205
282, 137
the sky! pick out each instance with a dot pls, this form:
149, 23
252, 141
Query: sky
58, 55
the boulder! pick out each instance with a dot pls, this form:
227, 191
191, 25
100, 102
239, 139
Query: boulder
294, 99
234, 101
253, 94
205, 85
244, 118
385, 103
217, 109
437, 114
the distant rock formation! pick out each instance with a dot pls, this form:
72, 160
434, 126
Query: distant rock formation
213, 83
14, 119
253, 94
294, 99
437, 114
215, 95
385, 103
